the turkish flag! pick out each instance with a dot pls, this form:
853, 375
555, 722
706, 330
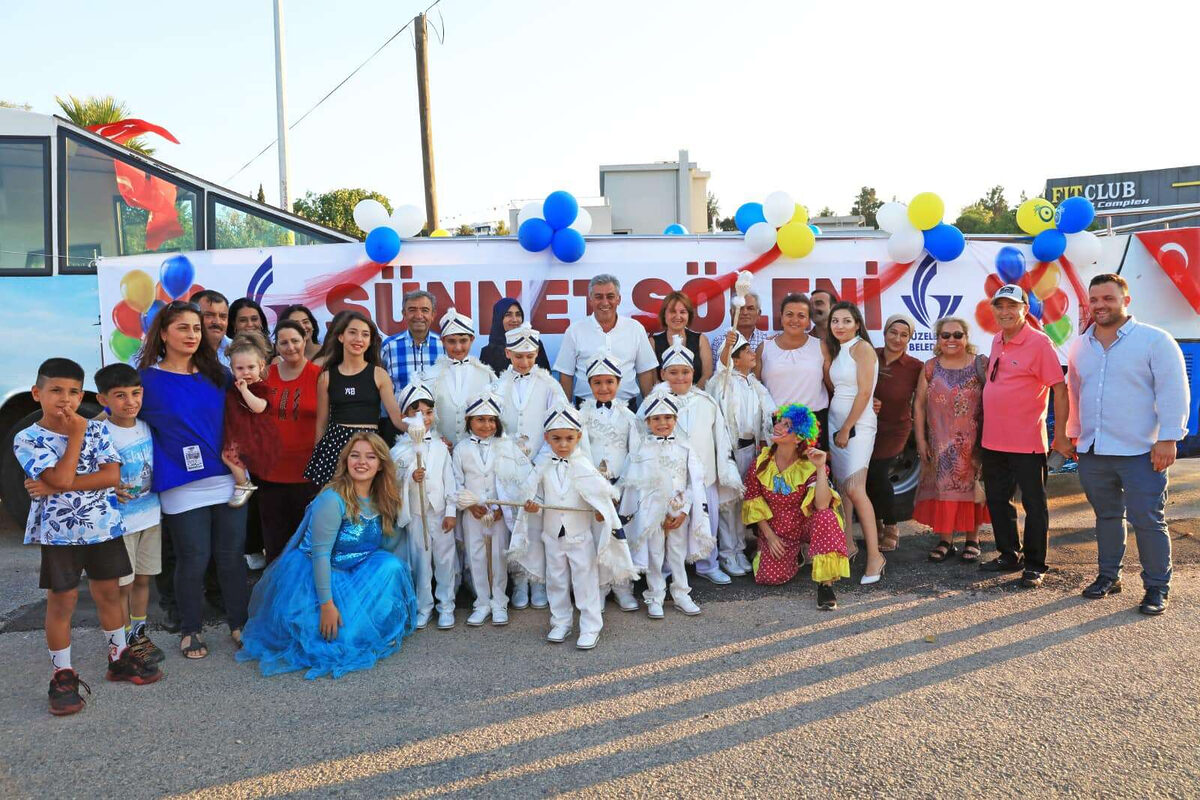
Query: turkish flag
141, 190
1178, 253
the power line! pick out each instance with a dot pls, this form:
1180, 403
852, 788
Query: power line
330, 93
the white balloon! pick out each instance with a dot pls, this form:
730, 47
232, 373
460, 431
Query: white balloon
760, 237
369, 214
893, 217
1083, 248
529, 211
778, 208
905, 245
582, 223
408, 220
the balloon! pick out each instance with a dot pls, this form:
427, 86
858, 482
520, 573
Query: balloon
747, 215
568, 245
675, 229
383, 244
560, 209
800, 214
1045, 280
1054, 306
1083, 248
1074, 214
778, 208
137, 289
529, 211
122, 346
1059, 330
1035, 215
1035, 306
892, 217
925, 211
127, 319
406, 221
905, 245
761, 237
150, 313
535, 234
583, 222
440, 233
176, 275
816, 229
1010, 263
992, 284
796, 240
1049, 245
369, 214
944, 242
985, 317
161, 294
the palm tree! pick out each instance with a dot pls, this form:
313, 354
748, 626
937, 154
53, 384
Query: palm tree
100, 111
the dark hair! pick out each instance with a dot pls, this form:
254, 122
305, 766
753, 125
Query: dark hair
499, 425
417, 403
209, 295
1110, 277
830, 340
238, 305
795, 297
289, 325
116, 376
337, 353
682, 299
204, 359
832, 294
306, 311
63, 368
336, 326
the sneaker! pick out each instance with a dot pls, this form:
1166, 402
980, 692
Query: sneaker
826, 599
241, 493
558, 634
744, 563
654, 610
146, 649
732, 567
445, 620
520, 596
587, 641
478, 617
537, 596
716, 575
686, 604
1031, 579
499, 616
256, 561
132, 668
422, 620
64, 692
625, 598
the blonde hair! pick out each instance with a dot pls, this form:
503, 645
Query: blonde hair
385, 492
249, 342
937, 333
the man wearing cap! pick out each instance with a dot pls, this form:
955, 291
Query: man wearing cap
1022, 371
624, 338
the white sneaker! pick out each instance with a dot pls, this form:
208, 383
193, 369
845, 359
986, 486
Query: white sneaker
256, 561
241, 493
422, 620
587, 641
744, 563
478, 617
520, 596
654, 610
445, 620
499, 616
716, 576
625, 598
731, 567
537, 596
687, 605
558, 634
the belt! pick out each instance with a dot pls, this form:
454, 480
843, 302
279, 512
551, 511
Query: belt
745, 442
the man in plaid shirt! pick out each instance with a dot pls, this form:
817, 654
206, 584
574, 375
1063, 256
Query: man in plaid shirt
410, 356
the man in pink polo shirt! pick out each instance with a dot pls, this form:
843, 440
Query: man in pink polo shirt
1022, 370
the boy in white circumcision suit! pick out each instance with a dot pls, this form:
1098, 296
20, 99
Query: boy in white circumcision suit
458, 376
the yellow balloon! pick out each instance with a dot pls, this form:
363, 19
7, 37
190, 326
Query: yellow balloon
925, 211
796, 240
1048, 282
1035, 215
439, 233
138, 289
800, 215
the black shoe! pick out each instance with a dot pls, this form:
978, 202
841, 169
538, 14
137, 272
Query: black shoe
826, 599
1154, 602
64, 692
1031, 579
132, 668
171, 623
1102, 587
1004, 563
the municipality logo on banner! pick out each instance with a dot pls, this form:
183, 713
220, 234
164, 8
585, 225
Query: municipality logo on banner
918, 301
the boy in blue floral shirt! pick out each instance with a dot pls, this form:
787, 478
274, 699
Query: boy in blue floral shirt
73, 470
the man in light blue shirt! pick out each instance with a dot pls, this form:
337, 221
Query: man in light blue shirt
1129, 397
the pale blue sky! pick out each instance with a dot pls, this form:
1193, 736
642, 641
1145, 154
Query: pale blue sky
817, 99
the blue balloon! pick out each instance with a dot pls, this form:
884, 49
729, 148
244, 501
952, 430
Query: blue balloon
176, 276
1035, 306
675, 229
568, 245
1049, 245
944, 242
1074, 214
150, 313
748, 214
383, 244
816, 230
1010, 264
560, 209
535, 234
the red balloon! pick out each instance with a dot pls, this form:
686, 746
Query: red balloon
161, 294
1054, 306
127, 319
985, 317
992, 284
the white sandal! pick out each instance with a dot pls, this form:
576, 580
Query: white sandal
241, 493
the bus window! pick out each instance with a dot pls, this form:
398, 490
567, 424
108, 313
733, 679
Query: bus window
116, 207
235, 225
24, 205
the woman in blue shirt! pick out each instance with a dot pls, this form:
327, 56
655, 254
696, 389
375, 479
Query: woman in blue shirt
184, 404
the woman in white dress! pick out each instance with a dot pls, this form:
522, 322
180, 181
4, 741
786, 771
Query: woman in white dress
852, 424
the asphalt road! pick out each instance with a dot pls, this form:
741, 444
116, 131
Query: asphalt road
939, 682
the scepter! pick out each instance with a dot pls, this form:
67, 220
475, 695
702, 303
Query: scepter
416, 432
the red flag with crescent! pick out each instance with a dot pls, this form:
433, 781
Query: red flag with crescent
141, 190
1177, 251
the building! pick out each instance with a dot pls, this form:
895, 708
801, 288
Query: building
646, 198
840, 223
1118, 197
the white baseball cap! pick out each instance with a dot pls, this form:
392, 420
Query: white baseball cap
1009, 291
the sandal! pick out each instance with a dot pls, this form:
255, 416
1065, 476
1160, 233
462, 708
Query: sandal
195, 649
970, 552
236, 635
943, 551
889, 540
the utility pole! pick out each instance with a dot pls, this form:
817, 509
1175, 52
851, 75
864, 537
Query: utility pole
431, 214
285, 200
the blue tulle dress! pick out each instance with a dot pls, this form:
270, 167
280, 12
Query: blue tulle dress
331, 556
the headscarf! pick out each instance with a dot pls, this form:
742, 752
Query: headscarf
493, 352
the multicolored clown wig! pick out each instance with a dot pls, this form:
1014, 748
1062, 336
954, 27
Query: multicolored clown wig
803, 422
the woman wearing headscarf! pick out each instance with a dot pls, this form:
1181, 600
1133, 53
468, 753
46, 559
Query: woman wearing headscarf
507, 314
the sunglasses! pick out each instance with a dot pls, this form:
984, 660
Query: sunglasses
949, 335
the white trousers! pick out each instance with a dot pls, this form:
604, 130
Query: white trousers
494, 596
731, 533
571, 567
440, 563
670, 547
709, 562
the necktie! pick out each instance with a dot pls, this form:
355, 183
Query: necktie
604, 404
670, 438
481, 442
560, 468
457, 363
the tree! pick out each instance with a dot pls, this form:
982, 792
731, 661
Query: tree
988, 214
727, 224
18, 106
826, 212
866, 204
104, 110
261, 196
502, 229
335, 208
464, 230
713, 208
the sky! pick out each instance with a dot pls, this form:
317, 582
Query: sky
529, 96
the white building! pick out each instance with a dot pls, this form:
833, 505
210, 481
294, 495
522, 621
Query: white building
646, 198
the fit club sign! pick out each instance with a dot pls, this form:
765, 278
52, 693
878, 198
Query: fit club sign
1130, 190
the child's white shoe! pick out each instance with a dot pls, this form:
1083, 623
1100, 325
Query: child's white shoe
732, 567
478, 617
587, 641
625, 598
241, 493
558, 634
744, 563
537, 595
715, 575
520, 595
445, 620
499, 616
422, 620
654, 610
687, 605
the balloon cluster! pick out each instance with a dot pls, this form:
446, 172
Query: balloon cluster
777, 220
384, 230
1047, 301
142, 298
558, 223
918, 226
1060, 231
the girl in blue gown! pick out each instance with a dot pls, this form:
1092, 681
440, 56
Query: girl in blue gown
338, 599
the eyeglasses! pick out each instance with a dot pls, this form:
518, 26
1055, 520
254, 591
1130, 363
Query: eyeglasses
948, 335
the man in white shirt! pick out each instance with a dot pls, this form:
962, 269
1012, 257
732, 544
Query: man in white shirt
624, 338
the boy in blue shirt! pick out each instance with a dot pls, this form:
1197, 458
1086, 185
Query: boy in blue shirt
73, 469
